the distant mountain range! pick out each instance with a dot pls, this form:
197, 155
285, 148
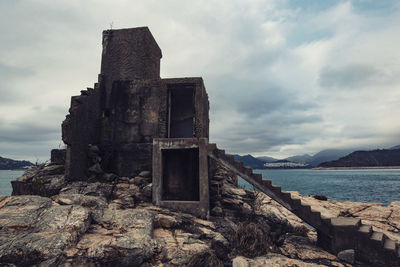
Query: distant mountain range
327, 155
10, 164
374, 158
266, 159
250, 161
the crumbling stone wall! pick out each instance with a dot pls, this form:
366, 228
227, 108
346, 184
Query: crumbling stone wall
81, 128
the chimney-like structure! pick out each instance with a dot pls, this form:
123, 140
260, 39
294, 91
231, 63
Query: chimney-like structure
129, 54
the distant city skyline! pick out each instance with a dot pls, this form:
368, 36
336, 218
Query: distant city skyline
284, 77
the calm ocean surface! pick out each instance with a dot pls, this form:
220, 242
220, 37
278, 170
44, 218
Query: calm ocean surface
5, 178
381, 185
354, 185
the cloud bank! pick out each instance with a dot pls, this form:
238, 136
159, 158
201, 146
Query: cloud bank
284, 77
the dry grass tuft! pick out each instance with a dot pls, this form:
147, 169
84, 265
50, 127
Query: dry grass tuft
249, 240
205, 259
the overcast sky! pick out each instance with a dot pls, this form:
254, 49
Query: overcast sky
283, 77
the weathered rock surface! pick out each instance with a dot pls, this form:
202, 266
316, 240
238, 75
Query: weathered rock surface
121, 238
114, 224
347, 255
35, 229
43, 181
273, 260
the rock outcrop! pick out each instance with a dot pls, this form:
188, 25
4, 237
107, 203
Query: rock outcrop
46, 180
113, 223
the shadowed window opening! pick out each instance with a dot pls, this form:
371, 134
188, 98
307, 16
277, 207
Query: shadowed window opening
181, 111
180, 174
107, 113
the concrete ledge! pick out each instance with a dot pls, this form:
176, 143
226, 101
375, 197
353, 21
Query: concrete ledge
198, 208
344, 233
346, 222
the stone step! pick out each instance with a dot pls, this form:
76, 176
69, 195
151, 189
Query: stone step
304, 212
276, 189
365, 229
257, 177
325, 225
378, 237
248, 171
267, 183
345, 222
211, 147
286, 196
315, 217
221, 153
390, 245
230, 158
326, 220
296, 203
238, 165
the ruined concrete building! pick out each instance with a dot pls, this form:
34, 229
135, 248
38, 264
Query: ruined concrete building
111, 128
133, 120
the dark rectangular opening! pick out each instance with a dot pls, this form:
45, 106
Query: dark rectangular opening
180, 174
181, 111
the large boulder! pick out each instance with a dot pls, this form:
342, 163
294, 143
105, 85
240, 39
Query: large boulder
34, 229
274, 260
121, 238
44, 181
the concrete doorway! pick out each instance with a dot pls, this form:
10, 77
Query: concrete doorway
180, 174
181, 111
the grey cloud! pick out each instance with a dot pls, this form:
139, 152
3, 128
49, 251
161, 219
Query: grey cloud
40, 125
28, 151
256, 98
267, 132
270, 116
7, 71
224, 37
273, 103
10, 76
25, 132
355, 76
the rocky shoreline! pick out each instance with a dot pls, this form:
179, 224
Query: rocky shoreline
111, 222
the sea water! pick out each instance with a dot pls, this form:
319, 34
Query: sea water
364, 185
5, 181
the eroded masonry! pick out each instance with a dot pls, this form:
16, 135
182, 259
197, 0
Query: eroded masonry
133, 120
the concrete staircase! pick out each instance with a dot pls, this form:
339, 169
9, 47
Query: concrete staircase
334, 234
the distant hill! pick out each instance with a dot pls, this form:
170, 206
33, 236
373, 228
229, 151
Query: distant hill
250, 161
322, 156
374, 158
266, 159
10, 164
300, 158
328, 155
312, 161
395, 147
